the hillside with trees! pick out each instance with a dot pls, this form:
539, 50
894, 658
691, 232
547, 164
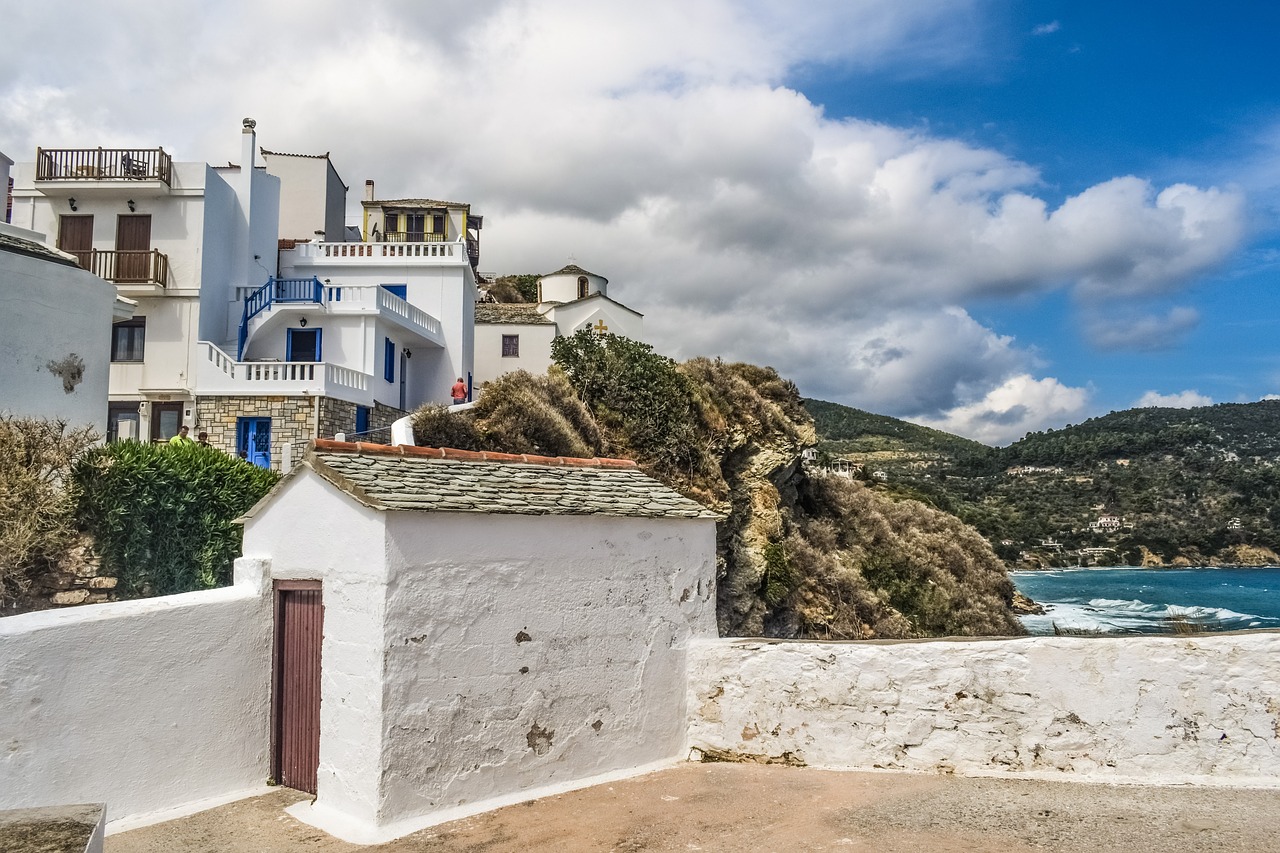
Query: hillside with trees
1151, 486
799, 553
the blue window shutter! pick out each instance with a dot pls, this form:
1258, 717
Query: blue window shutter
389, 360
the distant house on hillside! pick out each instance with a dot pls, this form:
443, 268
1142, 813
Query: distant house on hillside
518, 336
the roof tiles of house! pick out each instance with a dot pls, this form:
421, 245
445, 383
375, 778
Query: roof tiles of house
573, 269
22, 246
509, 313
444, 480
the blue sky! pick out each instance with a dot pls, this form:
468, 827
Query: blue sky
983, 216
1088, 90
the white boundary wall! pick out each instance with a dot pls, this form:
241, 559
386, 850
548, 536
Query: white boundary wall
149, 706
1157, 710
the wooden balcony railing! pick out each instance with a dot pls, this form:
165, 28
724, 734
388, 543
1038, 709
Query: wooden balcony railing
149, 267
411, 237
103, 164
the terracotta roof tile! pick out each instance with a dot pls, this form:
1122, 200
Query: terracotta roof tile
425, 478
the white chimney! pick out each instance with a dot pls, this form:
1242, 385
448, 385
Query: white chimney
368, 190
248, 146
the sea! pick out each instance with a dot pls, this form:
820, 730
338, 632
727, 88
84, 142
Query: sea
1122, 600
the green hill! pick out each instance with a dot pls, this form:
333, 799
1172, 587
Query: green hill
1145, 486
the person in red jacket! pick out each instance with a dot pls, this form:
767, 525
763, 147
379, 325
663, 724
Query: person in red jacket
459, 392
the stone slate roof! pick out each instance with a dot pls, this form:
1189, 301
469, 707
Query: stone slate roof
413, 202
18, 245
444, 480
573, 269
509, 313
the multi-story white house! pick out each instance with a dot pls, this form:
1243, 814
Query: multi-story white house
518, 336
264, 343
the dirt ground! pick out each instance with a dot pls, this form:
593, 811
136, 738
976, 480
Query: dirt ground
735, 807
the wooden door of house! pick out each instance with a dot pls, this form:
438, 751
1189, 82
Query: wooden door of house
295, 697
75, 235
165, 420
133, 247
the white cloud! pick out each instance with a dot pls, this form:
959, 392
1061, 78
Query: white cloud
1007, 412
1046, 29
660, 145
1179, 400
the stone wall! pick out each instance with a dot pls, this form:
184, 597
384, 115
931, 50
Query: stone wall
77, 579
1157, 710
293, 421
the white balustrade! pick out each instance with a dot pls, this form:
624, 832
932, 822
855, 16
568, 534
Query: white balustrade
362, 253
219, 373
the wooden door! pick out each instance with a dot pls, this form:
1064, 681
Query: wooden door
165, 420
295, 701
133, 247
75, 235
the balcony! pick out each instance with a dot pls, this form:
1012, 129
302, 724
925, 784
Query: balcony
104, 164
217, 373
334, 300
390, 253
141, 273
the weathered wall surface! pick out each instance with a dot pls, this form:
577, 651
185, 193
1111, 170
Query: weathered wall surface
1157, 709
523, 652
145, 705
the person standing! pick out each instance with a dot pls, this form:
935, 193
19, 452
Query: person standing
182, 437
459, 392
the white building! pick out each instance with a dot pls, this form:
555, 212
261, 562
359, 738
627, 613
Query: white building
264, 343
55, 329
182, 239
482, 628
518, 336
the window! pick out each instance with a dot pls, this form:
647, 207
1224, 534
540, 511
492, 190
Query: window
401, 290
128, 339
437, 224
510, 346
362, 420
389, 360
122, 421
582, 286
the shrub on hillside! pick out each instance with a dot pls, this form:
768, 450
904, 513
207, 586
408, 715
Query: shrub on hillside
162, 515
436, 426
36, 504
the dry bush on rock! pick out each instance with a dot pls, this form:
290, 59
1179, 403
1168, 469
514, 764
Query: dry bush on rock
36, 499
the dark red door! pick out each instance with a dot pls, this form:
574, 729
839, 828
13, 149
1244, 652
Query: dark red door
75, 235
133, 247
296, 695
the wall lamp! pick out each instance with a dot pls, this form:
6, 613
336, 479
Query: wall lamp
72, 202
303, 322
407, 354
132, 206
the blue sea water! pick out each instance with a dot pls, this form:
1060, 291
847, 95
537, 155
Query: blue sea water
1141, 601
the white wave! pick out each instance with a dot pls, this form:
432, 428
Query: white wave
1133, 604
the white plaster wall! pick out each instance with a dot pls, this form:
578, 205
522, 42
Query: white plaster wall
50, 312
312, 531
535, 350
312, 197
1151, 709
144, 705
168, 352
571, 318
523, 652
564, 288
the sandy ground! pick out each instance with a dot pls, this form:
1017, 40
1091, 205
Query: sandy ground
734, 807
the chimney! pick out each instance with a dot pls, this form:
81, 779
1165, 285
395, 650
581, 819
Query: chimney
368, 190
248, 146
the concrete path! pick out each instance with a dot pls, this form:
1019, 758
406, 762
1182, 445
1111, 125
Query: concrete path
735, 807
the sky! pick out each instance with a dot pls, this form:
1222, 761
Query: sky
982, 216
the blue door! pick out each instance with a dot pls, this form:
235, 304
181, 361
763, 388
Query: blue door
253, 440
303, 345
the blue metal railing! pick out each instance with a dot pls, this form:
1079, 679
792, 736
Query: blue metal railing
277, 290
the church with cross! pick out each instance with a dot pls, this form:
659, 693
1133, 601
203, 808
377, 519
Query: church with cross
518, 336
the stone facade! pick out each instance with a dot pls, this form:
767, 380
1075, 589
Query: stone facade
294, 420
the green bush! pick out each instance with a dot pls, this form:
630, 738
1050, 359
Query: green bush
522, 413
436, 426
36, 505
161, 515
